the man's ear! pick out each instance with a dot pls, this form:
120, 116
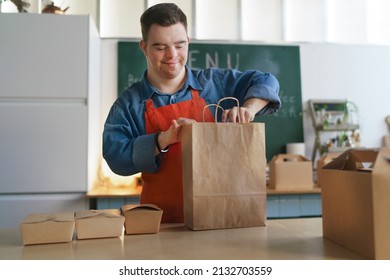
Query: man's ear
142, 46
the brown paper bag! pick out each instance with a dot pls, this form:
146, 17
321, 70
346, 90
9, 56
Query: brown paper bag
224, 175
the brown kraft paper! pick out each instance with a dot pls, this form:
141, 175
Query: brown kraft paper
224, 177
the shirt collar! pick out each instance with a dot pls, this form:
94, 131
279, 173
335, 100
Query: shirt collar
192, 81
147, 90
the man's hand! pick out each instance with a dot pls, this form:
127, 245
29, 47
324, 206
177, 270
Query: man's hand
171, 135
246, 113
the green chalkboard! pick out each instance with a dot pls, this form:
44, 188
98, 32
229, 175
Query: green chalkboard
286, 126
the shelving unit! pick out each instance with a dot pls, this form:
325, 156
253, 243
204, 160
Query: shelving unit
339, 116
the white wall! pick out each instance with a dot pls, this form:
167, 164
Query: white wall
109, 92
328, 71
109, 73
354, 72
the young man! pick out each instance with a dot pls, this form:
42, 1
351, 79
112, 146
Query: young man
141, 130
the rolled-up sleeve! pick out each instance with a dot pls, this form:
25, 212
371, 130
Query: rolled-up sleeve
252, 84
126, 148
266, 87
143, 155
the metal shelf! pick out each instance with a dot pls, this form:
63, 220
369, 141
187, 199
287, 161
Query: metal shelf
330, 116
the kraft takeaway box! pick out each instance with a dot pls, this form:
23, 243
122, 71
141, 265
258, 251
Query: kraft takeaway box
356, 201
290, 172
144, 218
47, 228
321, 162
99, 223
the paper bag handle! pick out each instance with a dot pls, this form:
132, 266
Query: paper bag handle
216, 110
220, 107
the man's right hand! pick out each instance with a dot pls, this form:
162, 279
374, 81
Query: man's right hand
172, 134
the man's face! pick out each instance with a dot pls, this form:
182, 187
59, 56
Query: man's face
166, 51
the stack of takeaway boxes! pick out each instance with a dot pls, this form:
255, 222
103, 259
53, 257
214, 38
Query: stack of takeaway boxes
88, 224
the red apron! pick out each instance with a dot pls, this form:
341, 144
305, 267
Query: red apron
164, 188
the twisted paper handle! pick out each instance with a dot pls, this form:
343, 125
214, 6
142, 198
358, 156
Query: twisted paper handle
220, 107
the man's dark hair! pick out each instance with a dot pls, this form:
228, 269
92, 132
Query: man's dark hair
164, 14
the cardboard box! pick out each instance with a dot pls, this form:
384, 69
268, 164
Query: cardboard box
99, 223
356, 201
47, 228
321, 162
144, 218
386, 141
289, 172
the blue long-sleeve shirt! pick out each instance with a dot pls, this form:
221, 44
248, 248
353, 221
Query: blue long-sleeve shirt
126, 147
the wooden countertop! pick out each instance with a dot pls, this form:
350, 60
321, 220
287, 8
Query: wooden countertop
114, 192
128, 192
314, 190
299, 239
